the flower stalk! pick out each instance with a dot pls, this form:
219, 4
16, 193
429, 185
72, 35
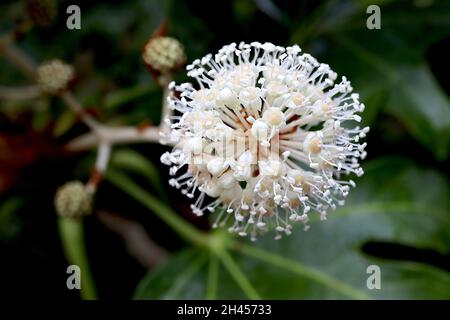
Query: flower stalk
184, 229
72, 237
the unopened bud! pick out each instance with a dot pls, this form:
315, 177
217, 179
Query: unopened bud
164, 54
53, 76
72, 200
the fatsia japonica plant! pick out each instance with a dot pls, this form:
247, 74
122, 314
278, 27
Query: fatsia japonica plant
255, 156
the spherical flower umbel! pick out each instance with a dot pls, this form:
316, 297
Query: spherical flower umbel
267, 134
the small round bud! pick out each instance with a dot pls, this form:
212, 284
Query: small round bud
42, 12
53, 76
164, 54
72, 200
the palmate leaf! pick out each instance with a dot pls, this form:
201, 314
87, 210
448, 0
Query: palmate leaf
390, 62
414, 97
395, 202
188, 283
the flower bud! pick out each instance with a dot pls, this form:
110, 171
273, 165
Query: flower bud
163, 54
53, 76
72, 200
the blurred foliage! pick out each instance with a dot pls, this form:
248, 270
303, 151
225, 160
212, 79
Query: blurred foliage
392, 62
9, 223
400, 71
327, 261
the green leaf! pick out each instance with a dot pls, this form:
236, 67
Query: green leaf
42, 117
423, 107
389, 63
10, 225
414, 97
390, 204
120, 97
186, 285
64, 122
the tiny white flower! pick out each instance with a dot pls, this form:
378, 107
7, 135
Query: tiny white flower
262, 132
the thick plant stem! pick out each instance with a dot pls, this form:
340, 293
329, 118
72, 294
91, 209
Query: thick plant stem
178, 224
238, 275
213, 277
19, 58
72, 236
215, 243
114, 136
19, 93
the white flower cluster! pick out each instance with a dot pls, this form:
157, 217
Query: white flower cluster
263, 134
